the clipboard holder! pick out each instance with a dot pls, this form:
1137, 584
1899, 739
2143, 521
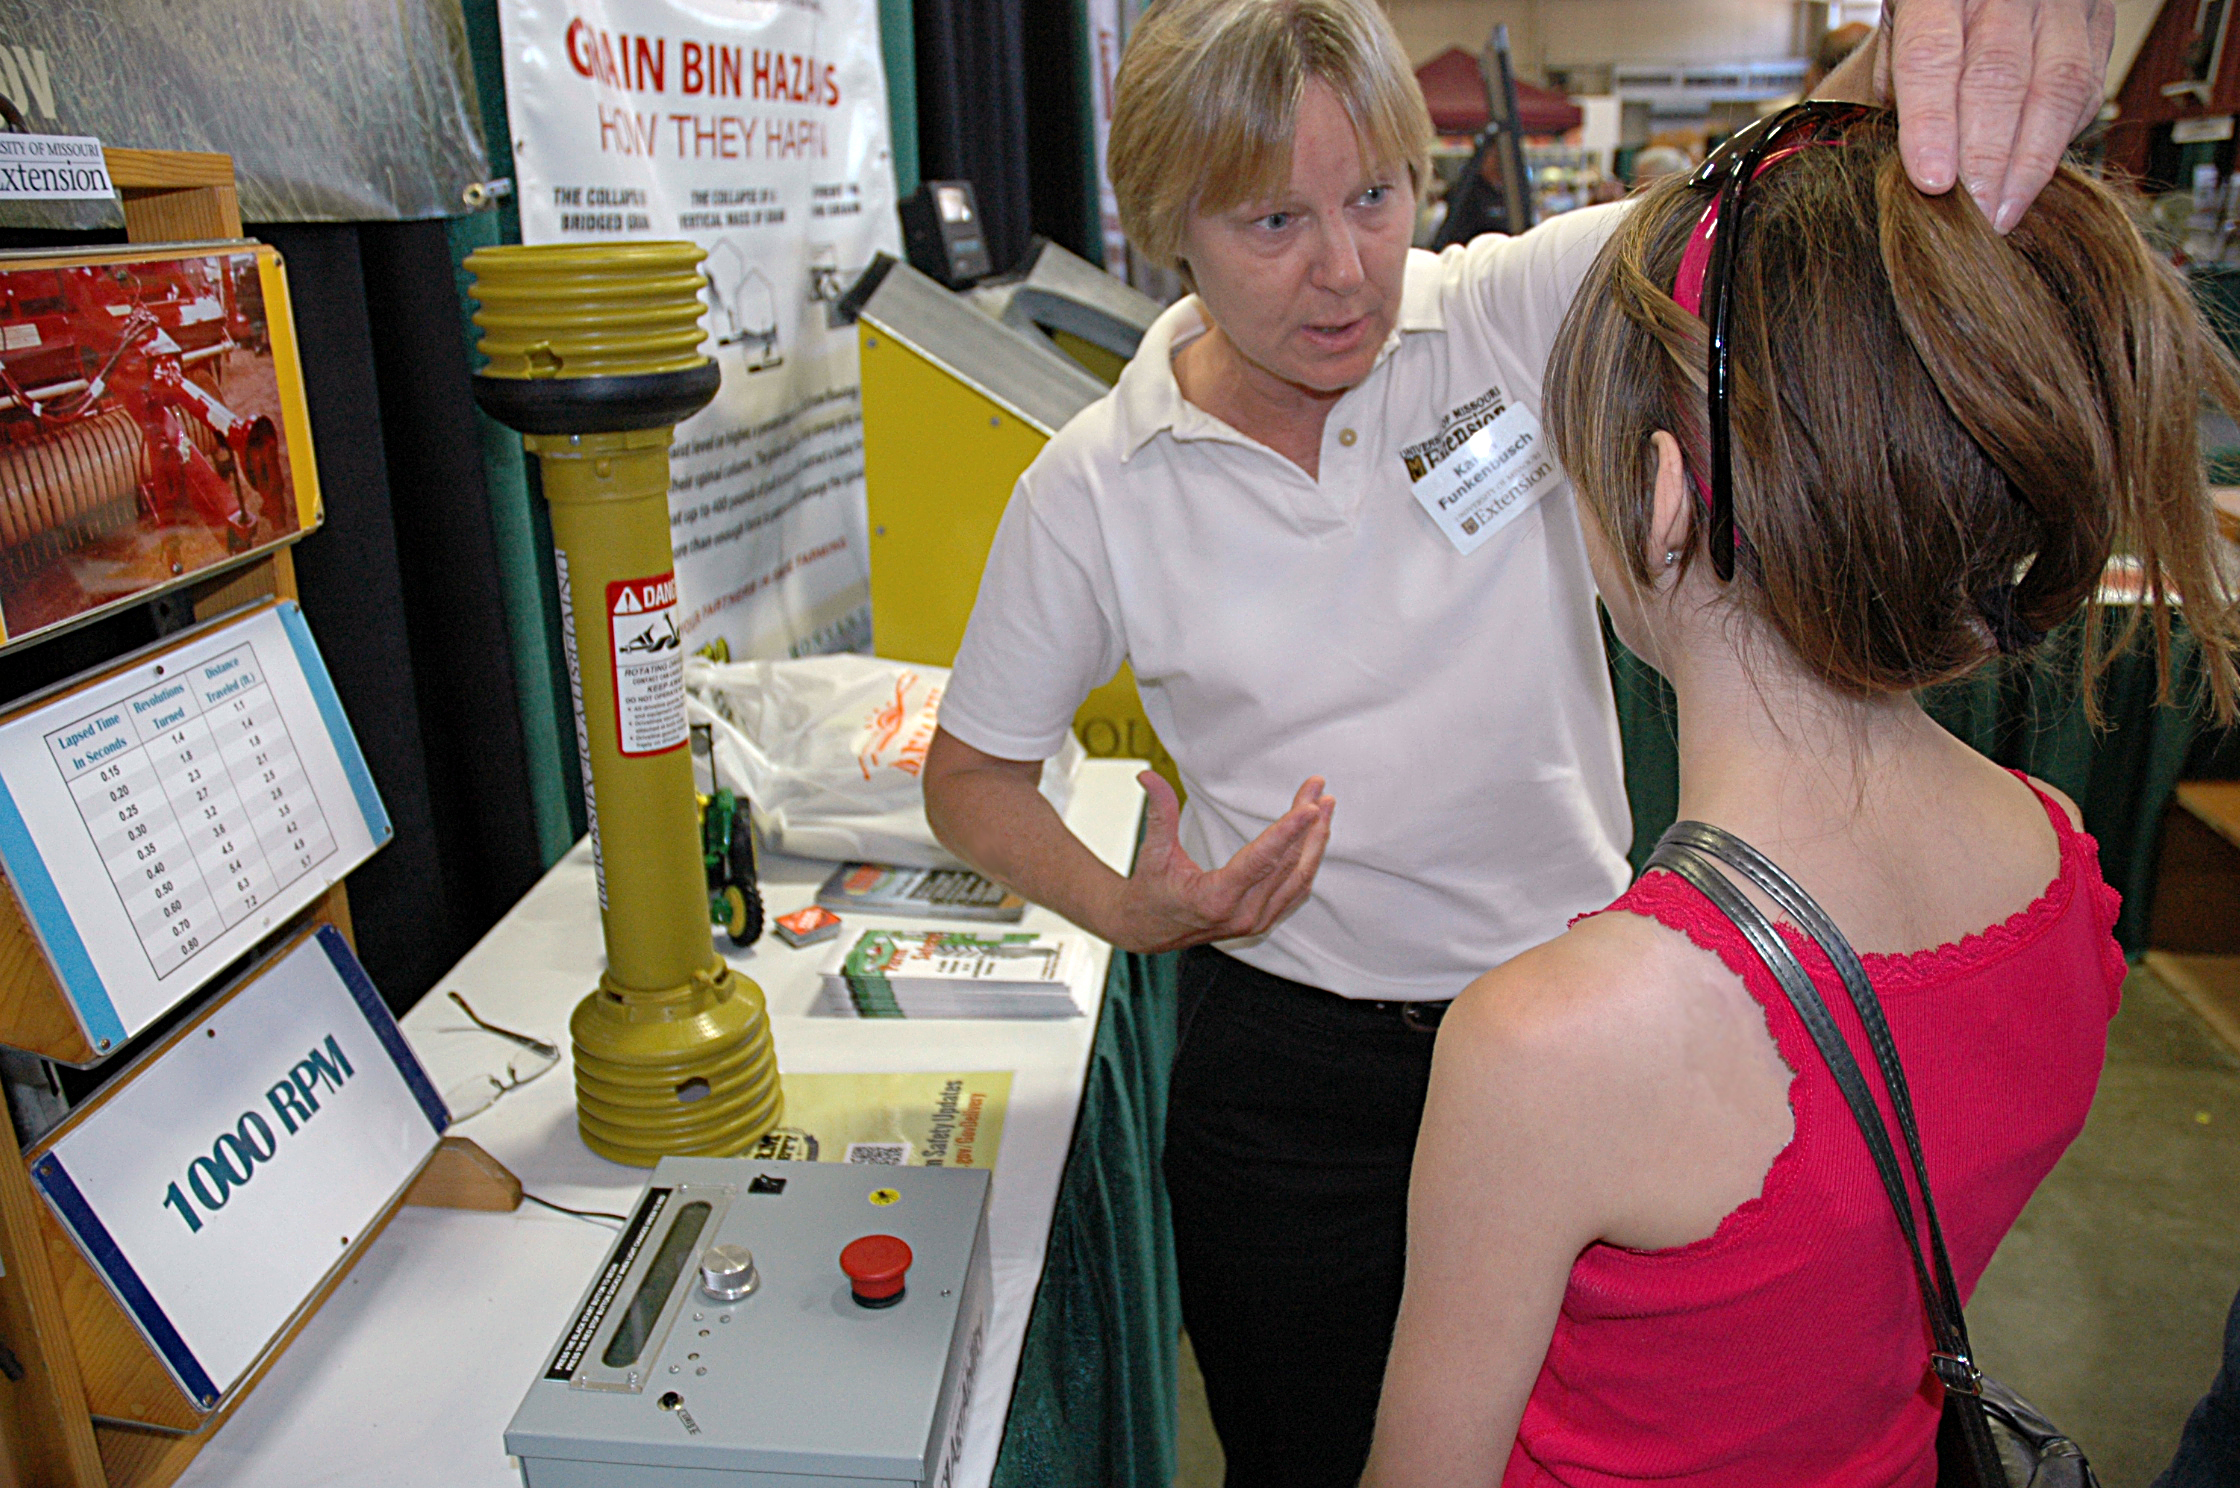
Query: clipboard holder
38, 1013
97, 1406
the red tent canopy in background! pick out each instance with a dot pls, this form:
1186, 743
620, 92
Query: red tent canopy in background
1456, 91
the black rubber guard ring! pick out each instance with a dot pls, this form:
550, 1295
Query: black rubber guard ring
597, 405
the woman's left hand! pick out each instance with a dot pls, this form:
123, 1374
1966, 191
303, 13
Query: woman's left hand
1989, 93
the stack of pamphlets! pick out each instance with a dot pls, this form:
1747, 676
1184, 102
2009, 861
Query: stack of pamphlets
953, 974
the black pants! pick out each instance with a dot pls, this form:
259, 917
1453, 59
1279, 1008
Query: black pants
2209, 1451
1291, 1124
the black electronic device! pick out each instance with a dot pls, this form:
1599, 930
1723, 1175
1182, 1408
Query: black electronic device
1495, 191
942, 233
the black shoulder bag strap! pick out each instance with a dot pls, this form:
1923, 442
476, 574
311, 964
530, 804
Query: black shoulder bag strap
1965, 1446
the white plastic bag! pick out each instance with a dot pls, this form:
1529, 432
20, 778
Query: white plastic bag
828, 750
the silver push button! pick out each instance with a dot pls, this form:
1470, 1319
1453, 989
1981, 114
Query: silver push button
727, 1272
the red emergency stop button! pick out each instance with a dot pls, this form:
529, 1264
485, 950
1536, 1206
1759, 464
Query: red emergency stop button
876, 1267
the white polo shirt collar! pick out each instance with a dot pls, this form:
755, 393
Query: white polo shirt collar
1149, 400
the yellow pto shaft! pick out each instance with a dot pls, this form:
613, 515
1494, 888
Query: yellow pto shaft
594, 355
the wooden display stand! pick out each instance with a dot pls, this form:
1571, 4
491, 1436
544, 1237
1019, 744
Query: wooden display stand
2195, 933
67, 1343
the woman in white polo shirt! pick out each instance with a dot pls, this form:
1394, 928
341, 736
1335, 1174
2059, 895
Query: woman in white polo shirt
1317, 516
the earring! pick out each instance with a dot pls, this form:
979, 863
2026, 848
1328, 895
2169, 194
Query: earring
1671, 556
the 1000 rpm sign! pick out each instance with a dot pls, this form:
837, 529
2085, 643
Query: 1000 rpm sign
215, 1188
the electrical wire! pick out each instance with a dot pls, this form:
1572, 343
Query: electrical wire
578, 1213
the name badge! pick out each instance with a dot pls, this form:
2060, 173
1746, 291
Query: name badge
1489, 480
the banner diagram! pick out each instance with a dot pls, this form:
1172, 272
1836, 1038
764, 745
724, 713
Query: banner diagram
758, 130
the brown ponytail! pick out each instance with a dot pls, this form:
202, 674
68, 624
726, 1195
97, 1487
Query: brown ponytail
1940, 434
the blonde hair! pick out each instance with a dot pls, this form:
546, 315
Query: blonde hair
1209, 91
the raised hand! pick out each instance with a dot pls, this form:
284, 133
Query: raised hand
1169, 902
1990, 92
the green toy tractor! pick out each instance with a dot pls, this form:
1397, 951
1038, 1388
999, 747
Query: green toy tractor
727, 850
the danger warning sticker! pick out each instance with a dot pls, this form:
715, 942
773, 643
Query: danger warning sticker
648, 664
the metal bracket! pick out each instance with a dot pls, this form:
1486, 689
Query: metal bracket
1958, 1373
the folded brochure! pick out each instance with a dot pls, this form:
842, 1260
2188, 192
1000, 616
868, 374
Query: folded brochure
921, 893
953, 974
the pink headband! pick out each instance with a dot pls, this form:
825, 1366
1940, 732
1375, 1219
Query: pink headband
1695, 261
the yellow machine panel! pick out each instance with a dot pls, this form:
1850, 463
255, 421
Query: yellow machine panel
1104, 364
940, 458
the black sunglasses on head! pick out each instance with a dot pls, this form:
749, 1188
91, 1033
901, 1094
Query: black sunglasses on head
1729, 172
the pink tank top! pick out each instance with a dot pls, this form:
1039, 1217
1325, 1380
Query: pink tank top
1790, 1346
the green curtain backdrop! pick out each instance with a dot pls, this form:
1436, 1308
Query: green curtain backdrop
522, 529
1095, 1401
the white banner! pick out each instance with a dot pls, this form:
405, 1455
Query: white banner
757, 129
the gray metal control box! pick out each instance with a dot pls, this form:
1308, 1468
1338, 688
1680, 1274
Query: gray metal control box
657, 1383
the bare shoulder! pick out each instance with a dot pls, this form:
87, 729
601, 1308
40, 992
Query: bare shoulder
1629, 1072
1607, 999
2061, 799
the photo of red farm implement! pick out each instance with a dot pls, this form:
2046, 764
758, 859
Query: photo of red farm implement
144, 428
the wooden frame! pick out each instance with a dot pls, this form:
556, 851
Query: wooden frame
47, 1432
175, 196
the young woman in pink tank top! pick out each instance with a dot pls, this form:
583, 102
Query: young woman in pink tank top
1646, 1240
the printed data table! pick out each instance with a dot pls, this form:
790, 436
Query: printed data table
197, 802
159, 818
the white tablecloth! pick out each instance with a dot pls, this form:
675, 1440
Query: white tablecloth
410, 1372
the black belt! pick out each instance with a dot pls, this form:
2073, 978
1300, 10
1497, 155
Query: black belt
1416, 1017
1337, 1014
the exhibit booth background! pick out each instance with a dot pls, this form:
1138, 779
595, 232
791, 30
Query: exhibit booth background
430, 589
431, 584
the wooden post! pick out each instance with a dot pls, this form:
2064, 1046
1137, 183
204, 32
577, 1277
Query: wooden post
46, 1435
175, 196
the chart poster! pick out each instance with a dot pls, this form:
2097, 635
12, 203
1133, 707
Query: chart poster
758, 130
892, 1120
216, 1186
159, 821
